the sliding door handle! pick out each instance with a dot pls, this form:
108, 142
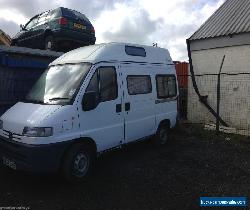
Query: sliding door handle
127, 106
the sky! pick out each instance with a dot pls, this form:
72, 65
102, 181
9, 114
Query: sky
165, 22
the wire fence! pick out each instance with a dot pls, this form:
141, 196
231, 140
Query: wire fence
234, 101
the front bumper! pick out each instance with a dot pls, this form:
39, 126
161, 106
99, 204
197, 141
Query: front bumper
32, 158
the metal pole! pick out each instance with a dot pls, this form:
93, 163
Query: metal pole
218, 97
201, 98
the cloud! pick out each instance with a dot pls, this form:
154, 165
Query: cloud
28, 8
169, 23
19, 6
9, 27
136, 28
93, 8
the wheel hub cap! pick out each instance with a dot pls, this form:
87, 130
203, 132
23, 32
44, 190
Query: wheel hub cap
81, 164
163, 136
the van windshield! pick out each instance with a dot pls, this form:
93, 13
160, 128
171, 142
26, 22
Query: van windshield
58, 84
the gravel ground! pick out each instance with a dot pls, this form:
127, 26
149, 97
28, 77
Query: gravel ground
194, 163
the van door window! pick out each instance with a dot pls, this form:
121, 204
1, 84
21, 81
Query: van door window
139, 84
93, 84
166, 86
104, 83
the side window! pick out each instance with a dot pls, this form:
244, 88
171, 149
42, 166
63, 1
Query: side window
53, 14
104, 82
31, 24
166, 86
139, 84
108, 84
93, 84
42, 17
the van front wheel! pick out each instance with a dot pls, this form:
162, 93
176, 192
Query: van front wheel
162, 135
78, 163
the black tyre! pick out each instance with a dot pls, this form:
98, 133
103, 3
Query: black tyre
50, 43
162, 135
78, 163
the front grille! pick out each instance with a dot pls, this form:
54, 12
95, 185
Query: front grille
10, 148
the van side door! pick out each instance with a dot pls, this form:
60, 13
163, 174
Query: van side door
139, 102
105, 123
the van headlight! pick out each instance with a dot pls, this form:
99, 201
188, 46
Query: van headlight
38, 131
1, 124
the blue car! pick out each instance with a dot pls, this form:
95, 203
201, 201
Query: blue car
59, 29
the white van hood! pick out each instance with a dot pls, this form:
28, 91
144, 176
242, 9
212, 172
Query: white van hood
26, 114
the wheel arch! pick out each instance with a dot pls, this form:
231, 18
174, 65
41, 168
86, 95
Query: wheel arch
164, 122
81, 141
47, 32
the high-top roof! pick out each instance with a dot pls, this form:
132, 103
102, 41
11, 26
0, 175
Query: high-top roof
233, 17
114, 52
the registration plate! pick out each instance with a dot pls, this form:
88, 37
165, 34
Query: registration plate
79, 26
10, 163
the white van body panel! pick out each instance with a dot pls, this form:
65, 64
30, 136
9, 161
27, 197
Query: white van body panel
106, 127
113, 52
103, 121
29, 114
140, 119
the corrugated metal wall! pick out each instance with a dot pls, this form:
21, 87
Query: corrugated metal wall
182, 73
182, 77
234, 87
18, 73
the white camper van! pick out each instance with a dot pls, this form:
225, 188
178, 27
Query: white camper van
90, 100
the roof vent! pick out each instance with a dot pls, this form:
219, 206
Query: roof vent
135, 51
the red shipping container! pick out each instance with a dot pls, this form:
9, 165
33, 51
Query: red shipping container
182, 73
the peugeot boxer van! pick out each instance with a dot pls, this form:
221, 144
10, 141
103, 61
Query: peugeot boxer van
88, 101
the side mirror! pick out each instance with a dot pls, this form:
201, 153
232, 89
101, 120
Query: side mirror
89, 101
22, 27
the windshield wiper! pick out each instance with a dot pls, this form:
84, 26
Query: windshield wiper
58, 98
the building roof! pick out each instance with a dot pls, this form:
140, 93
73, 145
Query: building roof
4, 38
114, 52
29, 51
233, 17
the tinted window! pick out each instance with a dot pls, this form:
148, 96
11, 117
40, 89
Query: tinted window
42, 17
135, 51
104, 82
166, 86
74, 14
31, 24
108, 84
139, 85
54, 14
93, 84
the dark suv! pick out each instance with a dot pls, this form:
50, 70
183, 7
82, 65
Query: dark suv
59, 29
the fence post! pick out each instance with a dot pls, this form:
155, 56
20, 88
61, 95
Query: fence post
218, 97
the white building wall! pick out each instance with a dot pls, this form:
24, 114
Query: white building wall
235, 89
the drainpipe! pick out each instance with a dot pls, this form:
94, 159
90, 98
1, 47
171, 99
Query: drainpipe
203, 99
